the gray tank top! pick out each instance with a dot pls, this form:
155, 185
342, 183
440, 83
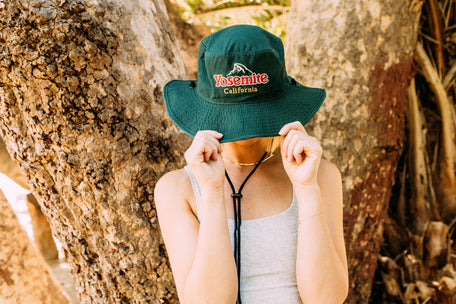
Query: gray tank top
268, 254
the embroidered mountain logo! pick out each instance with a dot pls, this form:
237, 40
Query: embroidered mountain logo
240, 75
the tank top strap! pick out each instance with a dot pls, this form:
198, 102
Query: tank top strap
196, 189
293, 202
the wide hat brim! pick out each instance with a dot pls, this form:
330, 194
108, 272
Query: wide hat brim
238, 121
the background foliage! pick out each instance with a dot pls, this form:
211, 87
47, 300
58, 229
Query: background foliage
269, 14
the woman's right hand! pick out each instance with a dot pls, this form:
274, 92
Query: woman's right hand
204, 159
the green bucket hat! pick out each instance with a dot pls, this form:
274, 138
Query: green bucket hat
243, 89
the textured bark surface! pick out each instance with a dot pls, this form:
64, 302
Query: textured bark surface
362, 53
24, 275
81, 109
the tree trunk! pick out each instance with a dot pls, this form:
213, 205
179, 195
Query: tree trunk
81, 110
362, 53
24, 275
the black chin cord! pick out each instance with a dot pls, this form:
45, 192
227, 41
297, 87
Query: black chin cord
237, 222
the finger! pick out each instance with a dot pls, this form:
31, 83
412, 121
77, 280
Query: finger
296, 125
211, 133
311, 148
291, 146
299, 151
214, 141
214, 155
210, 149
286, 143
210, 136
206, 156
195, 155
204, 138
215, 144
209, 155
204, 147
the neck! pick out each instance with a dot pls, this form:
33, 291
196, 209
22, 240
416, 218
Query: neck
246, 151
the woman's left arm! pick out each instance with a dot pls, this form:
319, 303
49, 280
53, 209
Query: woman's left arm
321, 265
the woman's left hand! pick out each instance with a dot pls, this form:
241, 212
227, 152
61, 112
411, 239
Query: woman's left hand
301, 154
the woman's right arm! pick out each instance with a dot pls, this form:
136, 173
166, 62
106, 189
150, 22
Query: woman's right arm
200, 253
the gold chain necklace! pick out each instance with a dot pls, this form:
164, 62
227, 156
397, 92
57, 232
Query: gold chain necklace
247, 164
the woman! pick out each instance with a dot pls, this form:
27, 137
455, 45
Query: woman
279, 211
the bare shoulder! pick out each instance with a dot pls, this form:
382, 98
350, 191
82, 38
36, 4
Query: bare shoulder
330, 182
328, 172
172, 178
172, 188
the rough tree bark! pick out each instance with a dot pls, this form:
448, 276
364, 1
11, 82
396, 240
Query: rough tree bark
24, 275
81, 110
362, 53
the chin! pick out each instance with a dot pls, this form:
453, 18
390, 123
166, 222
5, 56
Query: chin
252, 141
